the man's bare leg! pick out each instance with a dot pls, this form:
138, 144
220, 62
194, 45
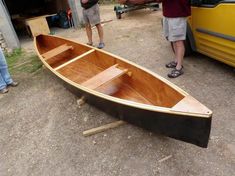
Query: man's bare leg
89, 33
179, 53
100, 32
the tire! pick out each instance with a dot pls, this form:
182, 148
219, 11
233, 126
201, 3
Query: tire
118, 15
188, 48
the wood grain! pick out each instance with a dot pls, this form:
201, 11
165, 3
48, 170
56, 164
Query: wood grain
56, 51
104, 77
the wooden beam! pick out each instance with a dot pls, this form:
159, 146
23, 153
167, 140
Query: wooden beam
58, 50
103, 77
81, 101
73, 60
103, 128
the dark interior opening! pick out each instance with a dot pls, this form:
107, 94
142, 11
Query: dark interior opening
21, 10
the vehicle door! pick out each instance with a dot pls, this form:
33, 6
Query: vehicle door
213, 26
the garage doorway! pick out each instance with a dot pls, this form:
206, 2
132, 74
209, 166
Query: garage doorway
55, 12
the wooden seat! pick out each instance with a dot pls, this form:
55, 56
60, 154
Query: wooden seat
56, 51
105, 76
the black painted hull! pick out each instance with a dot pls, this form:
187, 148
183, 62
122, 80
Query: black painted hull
194, 130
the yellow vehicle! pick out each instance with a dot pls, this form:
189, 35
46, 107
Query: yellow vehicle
211, 29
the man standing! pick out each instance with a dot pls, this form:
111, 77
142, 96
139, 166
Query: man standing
91, 16
5, 78
175, 14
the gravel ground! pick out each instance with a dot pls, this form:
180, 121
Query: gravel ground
41, 124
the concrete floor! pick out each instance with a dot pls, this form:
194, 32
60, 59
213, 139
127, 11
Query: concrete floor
41, 125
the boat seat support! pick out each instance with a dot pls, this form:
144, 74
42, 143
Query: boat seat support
105, 76
56, 51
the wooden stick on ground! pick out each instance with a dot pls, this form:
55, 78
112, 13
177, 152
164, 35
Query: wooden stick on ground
165, 158
81, 101
103, 128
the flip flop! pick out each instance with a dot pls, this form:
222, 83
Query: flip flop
90, 44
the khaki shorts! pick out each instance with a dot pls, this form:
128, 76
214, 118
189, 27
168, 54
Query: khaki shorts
92, 15
175, 28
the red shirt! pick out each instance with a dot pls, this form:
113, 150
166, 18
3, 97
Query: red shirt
176, 8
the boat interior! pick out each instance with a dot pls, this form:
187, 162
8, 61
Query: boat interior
107, 74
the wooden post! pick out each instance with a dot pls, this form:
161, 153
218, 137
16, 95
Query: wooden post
103, 128
81, 101
77, 16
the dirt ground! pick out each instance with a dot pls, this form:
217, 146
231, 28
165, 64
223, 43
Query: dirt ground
41, 124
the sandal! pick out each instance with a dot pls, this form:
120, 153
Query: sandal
175, 73
171, 64
101, 45
90, 44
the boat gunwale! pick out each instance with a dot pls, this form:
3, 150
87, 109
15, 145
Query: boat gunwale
143, 106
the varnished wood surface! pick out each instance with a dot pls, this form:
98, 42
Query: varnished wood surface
105, 76
190, 104
142, 98
56, 51
95, 70
75, 59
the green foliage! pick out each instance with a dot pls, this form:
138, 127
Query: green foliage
13, 57
21, 62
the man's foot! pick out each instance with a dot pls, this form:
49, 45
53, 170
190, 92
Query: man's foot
13, 84
101, 45
4, 90
90, 43
175, 73
171, 64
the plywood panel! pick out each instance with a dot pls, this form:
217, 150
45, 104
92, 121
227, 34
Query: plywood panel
38, 26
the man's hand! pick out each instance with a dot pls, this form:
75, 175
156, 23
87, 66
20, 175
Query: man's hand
84, 1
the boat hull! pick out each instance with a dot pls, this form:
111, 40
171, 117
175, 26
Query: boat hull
125, 90
189, 129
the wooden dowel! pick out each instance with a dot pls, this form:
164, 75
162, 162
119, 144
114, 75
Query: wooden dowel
74, 59
81, 101
103, 128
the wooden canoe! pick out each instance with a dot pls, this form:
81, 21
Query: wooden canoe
126, 90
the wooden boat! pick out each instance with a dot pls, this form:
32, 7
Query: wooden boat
126, 90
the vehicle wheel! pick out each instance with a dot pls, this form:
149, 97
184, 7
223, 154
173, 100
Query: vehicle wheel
188, 49
156, 7
118, 15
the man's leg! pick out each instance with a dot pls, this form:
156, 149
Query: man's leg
171, 64
177, 35
2, 83
179, 53
89, 33
4, 70
100, 32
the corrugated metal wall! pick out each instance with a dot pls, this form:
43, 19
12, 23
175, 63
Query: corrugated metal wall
76, 8
6, 28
